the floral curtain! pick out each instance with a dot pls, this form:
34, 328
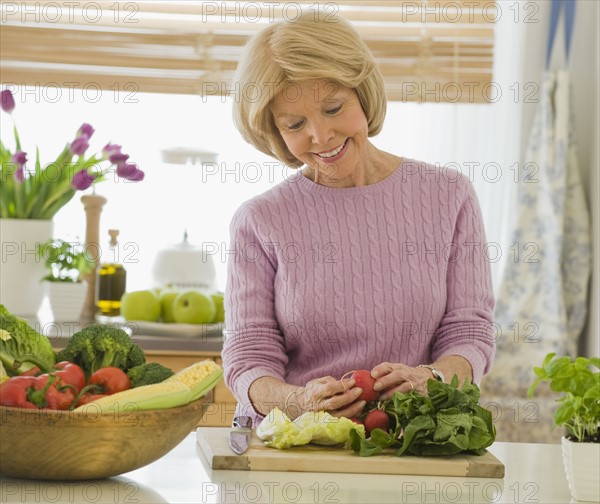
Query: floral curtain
542, 298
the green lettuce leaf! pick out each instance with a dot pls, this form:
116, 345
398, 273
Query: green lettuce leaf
18, 341
319, 427
278, 431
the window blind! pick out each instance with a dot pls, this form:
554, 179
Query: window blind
430, 50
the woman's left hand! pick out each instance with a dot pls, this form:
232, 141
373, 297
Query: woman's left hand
394, 377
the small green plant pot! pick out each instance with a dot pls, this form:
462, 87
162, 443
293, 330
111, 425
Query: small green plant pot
582, 467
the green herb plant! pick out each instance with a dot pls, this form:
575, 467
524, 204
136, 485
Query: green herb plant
448, 420
65, 262
579, 410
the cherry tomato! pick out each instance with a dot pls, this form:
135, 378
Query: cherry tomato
111, 379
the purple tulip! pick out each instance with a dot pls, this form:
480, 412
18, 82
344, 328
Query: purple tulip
118, 158
82, 180
19, 158
137, 176
79, 145
130, 171
110, 150
85, 130
7, 101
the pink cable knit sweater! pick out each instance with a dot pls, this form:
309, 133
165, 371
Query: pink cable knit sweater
326, 280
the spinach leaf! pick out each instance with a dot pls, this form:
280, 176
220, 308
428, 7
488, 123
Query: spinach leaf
376, 444
418, 429
448, 420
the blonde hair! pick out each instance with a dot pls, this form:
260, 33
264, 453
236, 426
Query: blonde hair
311, 47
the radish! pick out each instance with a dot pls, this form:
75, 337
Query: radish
365, 381
376, 419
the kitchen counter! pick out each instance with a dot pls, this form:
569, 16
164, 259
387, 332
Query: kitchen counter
170, 343
60, 332
534, 474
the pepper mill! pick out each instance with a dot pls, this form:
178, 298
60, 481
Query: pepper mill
92, 204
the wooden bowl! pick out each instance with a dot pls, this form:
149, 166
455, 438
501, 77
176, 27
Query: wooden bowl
69, 445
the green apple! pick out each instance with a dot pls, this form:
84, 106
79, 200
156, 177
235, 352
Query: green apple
217, 298
193, 307
166, 303
140, 305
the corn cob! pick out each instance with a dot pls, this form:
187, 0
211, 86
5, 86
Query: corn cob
180, 389
3, 375
200, 377
146, 397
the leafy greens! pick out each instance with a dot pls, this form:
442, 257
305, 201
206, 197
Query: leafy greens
579, 409
19, 341
316, 427
448, 420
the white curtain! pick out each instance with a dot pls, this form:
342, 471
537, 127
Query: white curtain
542, 296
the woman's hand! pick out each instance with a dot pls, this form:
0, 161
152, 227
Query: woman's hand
337, 397
393, 377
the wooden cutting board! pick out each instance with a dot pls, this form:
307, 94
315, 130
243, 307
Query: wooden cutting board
214, 443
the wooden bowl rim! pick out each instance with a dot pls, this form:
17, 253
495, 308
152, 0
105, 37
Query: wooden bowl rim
81, 413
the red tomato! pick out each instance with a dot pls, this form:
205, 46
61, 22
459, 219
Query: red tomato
111, 379
376, 419
365, 381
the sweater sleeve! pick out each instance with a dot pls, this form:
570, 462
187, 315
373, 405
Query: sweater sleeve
466, 328
254, 345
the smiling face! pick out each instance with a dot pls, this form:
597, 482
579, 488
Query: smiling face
323, 125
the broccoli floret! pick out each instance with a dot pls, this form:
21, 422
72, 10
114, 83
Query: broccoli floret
149, 373
135, 357
97, 346
113, 346
80, 349
19, 341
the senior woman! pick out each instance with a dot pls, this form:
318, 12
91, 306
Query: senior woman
363, 259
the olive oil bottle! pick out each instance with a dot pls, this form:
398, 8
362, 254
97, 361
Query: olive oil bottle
111, 280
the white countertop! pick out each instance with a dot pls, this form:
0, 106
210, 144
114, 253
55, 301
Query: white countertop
534, 474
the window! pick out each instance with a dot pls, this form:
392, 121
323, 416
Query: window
427, 50
165, 49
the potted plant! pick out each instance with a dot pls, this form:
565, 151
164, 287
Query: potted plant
579, 413
32, 192
66, 264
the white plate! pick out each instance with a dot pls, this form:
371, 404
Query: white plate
143, 328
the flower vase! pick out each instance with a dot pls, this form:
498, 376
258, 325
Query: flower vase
21, 288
